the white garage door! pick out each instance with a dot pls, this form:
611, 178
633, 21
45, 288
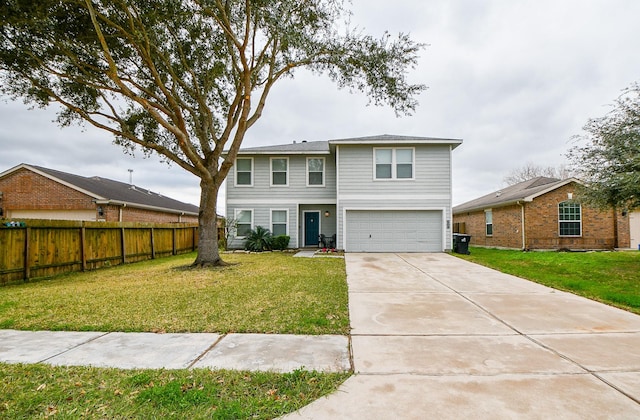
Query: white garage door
393, 231
54, 214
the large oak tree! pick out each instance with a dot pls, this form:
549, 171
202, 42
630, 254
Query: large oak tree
186, 79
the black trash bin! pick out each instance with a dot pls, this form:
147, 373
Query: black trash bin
461, 243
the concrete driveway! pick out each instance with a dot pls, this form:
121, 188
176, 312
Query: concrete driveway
434, 336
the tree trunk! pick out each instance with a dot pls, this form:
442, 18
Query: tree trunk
208, 252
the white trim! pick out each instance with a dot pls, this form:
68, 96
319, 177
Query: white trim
235, 215
394, 164
304, 225
442, 210
286, 159
236, 173
338, 219
324, 172
286, 220
391, 197
281, 202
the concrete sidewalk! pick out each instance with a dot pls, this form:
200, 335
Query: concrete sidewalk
254, 352
434, 336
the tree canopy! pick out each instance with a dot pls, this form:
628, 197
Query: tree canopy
608, 156
531, 170
186, 79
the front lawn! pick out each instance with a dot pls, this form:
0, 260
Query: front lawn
609, 277
259, 293
40, 391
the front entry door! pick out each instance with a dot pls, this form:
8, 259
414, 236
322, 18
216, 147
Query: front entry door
311, 228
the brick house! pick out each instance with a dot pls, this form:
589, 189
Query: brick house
34, 192
541, 213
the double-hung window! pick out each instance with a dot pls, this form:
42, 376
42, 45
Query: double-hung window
279, 222
488, 221
279, 171
569, 219
315, 172
244, 172
244, 222
394, 163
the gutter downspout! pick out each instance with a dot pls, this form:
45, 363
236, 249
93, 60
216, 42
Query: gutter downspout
120, 212
522, 224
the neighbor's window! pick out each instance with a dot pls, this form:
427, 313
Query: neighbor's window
244, 222
394, 163
279, 167
569, 218
315, 171
278, 222
244, 171
488, 220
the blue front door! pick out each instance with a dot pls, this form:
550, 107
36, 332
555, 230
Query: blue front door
311, 228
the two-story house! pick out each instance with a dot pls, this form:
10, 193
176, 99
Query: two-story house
375, 194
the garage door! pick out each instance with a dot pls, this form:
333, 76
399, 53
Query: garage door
54, 214
393, 231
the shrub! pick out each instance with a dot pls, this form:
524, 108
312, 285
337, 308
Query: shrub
258, 240
280, 242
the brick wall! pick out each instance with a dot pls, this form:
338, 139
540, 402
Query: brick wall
542, 229
27, 190
24, 189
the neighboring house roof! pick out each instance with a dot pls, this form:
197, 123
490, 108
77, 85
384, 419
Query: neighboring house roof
107, 191
323, 147
522, 192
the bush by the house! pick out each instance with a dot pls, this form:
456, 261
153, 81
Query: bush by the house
280, 242
258, 240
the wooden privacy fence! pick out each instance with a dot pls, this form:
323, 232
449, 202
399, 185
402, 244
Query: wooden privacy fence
42, 248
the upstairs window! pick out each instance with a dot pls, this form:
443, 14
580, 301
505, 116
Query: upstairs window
279, 171
315, 172
488, 221
569, 219
244, 171
394, 163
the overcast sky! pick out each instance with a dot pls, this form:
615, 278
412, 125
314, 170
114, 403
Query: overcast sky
515, 79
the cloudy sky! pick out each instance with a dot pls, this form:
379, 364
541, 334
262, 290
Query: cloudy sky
515, 79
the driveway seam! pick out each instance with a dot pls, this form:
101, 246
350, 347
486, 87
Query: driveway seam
74, 347
204, 353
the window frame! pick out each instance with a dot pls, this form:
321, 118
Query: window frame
488, 222
286, 222
324, 171
271, 172
394, 164
571, 221
250, 159
251, 227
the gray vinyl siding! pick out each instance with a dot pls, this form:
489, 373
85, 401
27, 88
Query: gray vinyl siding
262, 217
429, 190
297, 188
432, 171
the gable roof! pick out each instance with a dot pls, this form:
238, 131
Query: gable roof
295, 148
323, 147
524, 191
396, 139
107, 191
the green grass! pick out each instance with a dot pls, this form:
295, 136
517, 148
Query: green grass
609, 277
40, 391
259, 293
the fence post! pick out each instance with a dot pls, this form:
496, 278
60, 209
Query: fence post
123, 246
27, 252
153, 246
83, 249
175, 252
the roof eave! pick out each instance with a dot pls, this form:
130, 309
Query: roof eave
493, 205
145, 207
